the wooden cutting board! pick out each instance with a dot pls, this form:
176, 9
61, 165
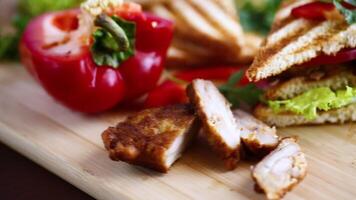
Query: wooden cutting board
69, 145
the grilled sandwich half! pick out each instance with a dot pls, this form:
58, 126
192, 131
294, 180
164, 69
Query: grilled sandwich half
207, 32
311, 81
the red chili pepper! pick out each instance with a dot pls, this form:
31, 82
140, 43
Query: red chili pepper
168, 93
348, 5
342, 56
63, 56
313, 11
222, 73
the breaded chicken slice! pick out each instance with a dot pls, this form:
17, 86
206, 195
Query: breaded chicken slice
281, 170
153, 138
220, 129
257, 137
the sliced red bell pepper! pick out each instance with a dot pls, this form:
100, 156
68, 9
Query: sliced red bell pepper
342, 56
172, 91
317, 10
168, 93
313, 11
348, 5
93, 69
221, 73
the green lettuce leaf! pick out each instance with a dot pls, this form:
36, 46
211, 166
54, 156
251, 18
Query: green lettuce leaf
319, 99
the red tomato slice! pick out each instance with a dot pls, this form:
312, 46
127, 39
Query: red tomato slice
343, 56
313, 11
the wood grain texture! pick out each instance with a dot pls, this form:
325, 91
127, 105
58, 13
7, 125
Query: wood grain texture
69, 144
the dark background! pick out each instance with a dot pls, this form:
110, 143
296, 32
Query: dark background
21, 179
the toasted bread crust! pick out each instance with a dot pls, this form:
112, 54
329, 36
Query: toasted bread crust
228, 6
210, 26
230, 156
294, 41
144, 138
336, 116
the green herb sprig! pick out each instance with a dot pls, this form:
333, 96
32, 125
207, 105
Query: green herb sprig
249, 94
258, 18
350, 14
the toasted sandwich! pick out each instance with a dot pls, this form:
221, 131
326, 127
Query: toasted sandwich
208, 31
310, 63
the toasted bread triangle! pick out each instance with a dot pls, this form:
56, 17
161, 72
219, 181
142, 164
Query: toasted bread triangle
294, 41
210, 27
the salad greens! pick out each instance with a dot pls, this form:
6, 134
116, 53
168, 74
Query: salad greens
309, 103
28, 9
257, 16
350, 14
248, 95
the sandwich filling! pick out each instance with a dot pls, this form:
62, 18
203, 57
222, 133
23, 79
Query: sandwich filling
318, 99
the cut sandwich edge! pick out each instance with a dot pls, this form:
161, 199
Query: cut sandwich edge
335, 116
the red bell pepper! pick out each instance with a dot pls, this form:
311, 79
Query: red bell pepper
172, 91
342, 56
91, 65
219, 73
168, 93
317, 10
313, 11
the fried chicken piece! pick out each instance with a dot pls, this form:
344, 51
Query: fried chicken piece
281, 170
218, 121
153, 138
257, 137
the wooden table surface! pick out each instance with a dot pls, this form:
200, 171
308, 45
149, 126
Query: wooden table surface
69, 145
22, 179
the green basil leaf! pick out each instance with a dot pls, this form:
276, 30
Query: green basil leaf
258, 18
247, 95
350, 15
